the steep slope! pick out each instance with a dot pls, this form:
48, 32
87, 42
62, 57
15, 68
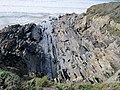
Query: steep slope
19, 48
88, 44
74, 47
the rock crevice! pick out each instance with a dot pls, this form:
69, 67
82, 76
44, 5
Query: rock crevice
74, 47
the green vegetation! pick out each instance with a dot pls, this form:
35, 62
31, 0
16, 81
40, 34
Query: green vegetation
28, 84
37, 83
9, 81
74, 86
43, 82
116, 18
112, 30
112, 9
107, 86
114, 66
99, 86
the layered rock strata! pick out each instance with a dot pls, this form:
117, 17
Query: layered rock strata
74, 47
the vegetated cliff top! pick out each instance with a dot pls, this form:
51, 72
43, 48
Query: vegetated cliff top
112, 9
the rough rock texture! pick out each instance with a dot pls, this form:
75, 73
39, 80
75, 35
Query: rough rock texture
75, 47
19, 49
88, 45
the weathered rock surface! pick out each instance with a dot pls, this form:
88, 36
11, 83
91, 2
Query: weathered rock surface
115, 78
19, 48
75, 47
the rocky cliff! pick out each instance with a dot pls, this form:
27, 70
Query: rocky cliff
74, 47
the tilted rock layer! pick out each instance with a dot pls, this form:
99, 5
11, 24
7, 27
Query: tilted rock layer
74, 47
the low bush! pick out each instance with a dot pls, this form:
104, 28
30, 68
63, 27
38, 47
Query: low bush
98, 86
37, 83
43, 82
9, 81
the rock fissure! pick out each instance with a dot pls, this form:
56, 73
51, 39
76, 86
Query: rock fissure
78, 48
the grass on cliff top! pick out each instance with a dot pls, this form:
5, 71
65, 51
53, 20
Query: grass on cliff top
112, 9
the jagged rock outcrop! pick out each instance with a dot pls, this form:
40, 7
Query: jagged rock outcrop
88, 44
19, 48
74, 47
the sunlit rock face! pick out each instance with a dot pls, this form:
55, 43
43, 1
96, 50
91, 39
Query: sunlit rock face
82, 53
74, 47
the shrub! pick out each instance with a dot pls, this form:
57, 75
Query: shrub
85, 87
28, 84
42, 82
37, 83
9, 81
107, 86
68, 86
60, 86
73, 86
98, 86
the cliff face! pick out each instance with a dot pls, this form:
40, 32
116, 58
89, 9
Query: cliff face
88, 47
19, 48
75, 47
